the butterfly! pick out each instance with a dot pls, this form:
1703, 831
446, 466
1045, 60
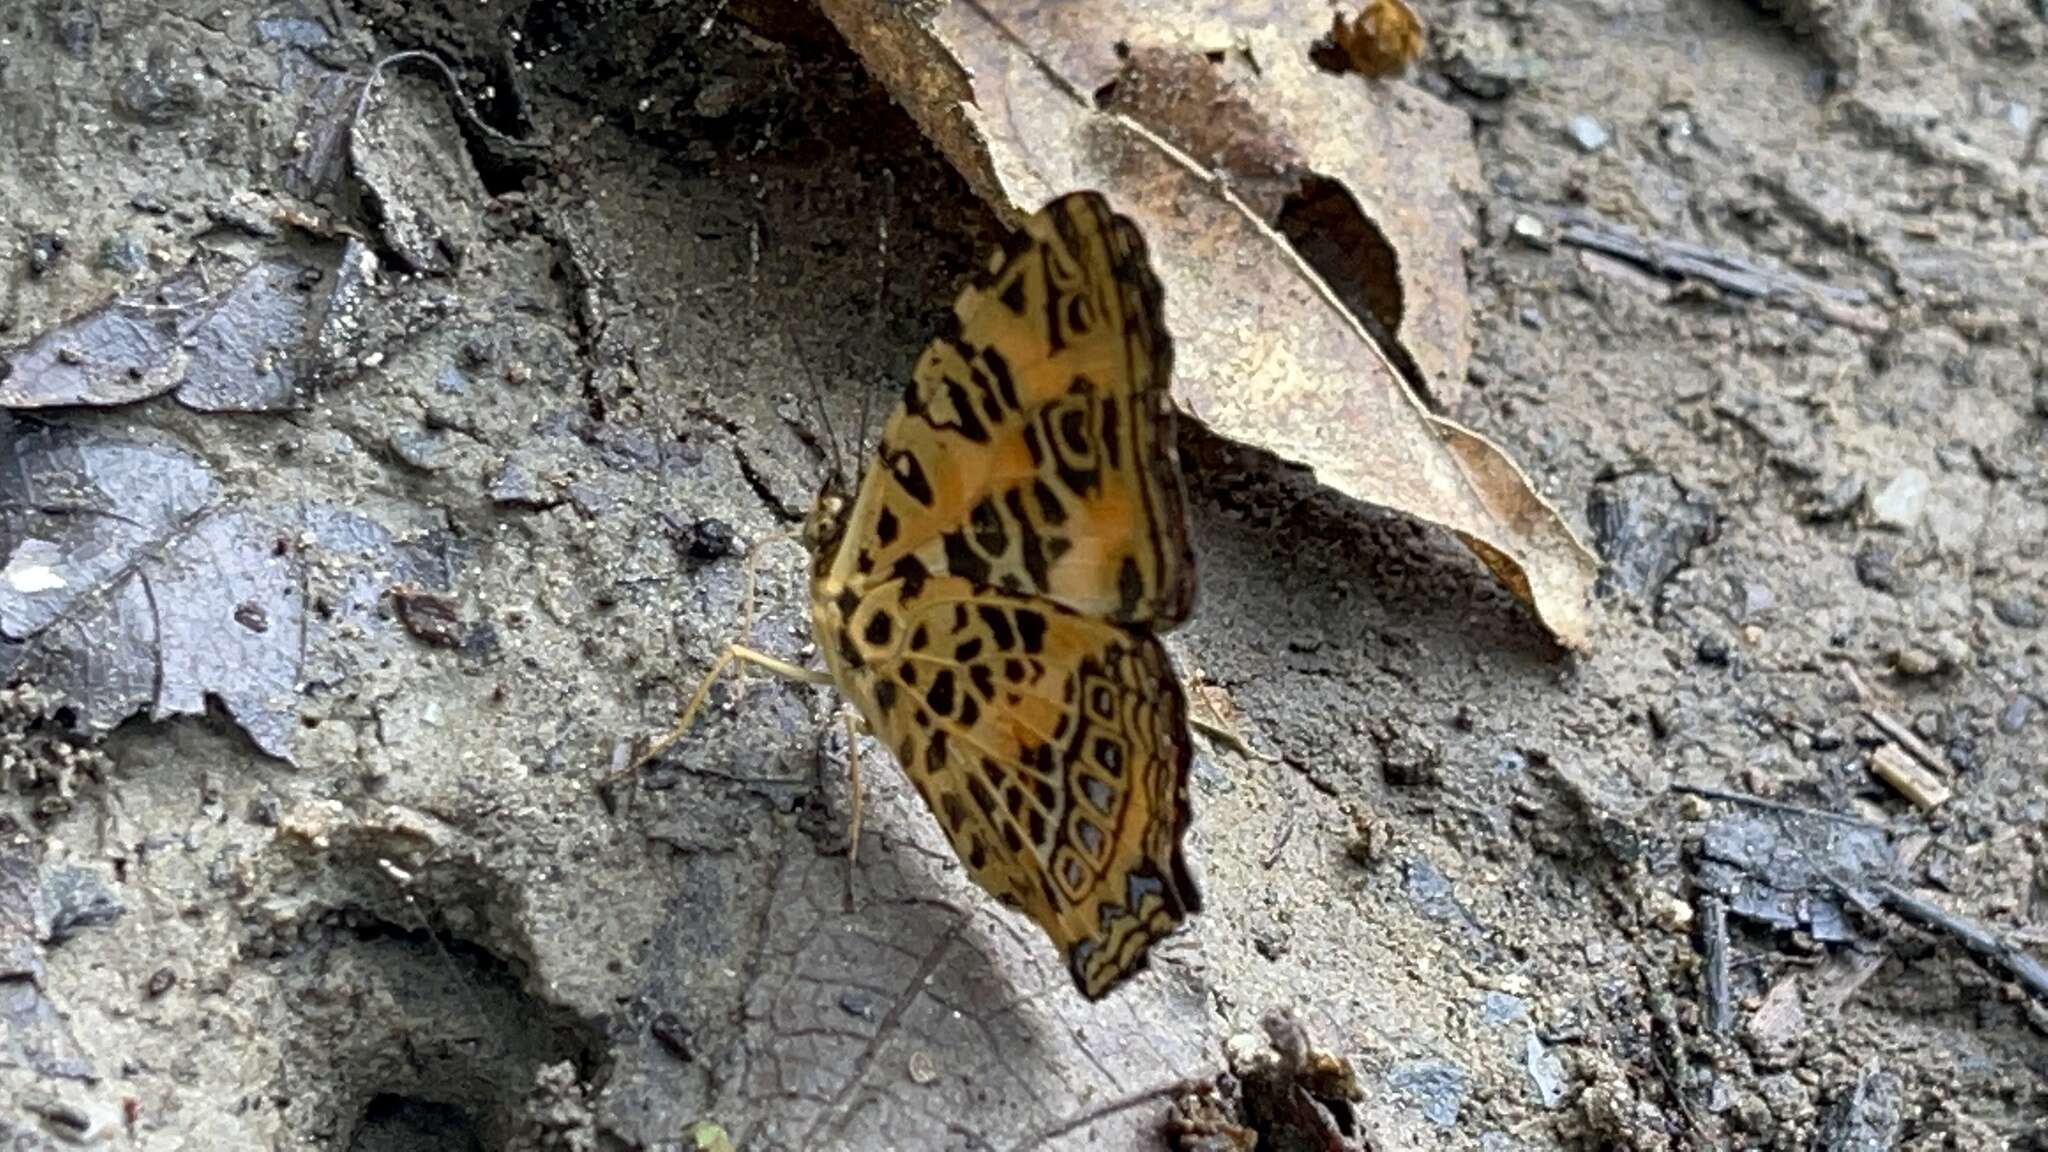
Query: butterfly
990, 595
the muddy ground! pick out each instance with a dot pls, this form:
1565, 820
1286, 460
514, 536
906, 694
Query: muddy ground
398, 609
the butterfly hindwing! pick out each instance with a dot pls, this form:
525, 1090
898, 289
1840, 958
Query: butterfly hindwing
1034, 448
1053, 749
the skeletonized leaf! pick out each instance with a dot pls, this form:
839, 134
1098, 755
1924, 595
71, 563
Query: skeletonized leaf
1267, 352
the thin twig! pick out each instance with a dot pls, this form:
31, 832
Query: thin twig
1286, 833
1105, 1110
1885, 722
1714, 946
1987, 946
1680, 260
1905, 738
463, 107
1774, 805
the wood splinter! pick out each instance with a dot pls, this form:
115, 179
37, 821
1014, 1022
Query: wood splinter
1908, 778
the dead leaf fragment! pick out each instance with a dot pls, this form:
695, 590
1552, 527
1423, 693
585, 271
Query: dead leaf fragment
127, 583
220, 339
1383, 41
1267, 352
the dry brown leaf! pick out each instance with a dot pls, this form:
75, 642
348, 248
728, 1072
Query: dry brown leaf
1366, 180
1383, 41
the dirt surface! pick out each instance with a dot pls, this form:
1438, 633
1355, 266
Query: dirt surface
386, 615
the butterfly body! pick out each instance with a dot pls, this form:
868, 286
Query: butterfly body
988, 599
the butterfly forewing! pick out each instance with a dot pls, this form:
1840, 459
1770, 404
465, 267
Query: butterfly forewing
1016, 541
1034, 448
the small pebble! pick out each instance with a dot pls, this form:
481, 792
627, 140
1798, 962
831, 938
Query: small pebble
2014, 717
673, 1035
1914, 660
1835, 501
123, 253
1530, 230
2018, 609
1587, 133
1876, 568
1672, 913
45, 249
1901, 503
1712, 650
710, 539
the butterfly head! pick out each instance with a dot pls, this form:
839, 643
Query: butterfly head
826, 525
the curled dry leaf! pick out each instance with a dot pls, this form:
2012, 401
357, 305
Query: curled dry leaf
1318, 368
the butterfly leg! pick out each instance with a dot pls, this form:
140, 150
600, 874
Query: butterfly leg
753, 571
732, 653
1221, 731
854, 804
853, 727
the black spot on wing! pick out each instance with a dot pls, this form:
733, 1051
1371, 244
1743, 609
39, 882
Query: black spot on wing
885, 695
1130, 587
909, 474
966, 421
885, 528
987, 525
962, 560
998, 372
1112, 443
953, 809
1049, 281
1030, 544
1080, 316
1050, 509
912, 572
983, 798
1031, 629
880, 628
1110, 755
940, 695
1073, 431
998, 624
1012, 295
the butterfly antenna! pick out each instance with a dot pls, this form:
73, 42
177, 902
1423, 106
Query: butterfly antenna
796, 353
881, 287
